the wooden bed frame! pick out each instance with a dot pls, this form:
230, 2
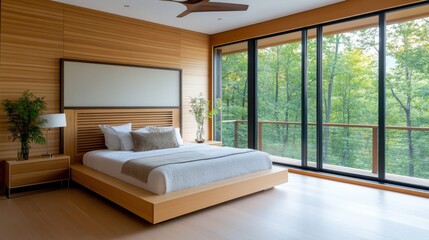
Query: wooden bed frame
82, 134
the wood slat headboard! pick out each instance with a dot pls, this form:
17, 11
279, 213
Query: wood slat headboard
82, 133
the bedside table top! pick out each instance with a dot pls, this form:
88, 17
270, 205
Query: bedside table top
37, 159
210, 142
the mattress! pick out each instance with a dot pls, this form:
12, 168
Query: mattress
175, 177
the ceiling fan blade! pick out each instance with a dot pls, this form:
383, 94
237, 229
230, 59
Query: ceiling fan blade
184, 13
217, 6
188, 2
207, 6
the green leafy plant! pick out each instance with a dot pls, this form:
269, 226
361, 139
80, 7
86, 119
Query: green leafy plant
200, 109
25, 122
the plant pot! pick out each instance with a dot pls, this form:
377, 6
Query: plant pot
24, 153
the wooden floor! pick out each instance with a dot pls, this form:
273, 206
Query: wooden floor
303, 208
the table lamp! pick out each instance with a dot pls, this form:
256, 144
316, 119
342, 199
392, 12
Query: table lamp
55, 120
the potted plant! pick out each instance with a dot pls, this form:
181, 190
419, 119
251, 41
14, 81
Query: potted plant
25, 122
200, 109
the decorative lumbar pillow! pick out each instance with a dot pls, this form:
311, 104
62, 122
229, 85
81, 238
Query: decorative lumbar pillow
111, 139
163, 129
154, 140
126, 140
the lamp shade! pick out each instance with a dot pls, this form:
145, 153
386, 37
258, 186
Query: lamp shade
55, 120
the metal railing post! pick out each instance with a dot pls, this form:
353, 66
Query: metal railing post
260, 136
375, 150
235, 134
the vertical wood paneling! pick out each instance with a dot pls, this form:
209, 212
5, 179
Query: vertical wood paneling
31, 42
36, 34
195, 55
94, 35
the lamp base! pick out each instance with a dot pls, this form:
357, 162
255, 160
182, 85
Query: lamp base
47, 155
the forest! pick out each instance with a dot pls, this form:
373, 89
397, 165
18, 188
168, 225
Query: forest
350, 97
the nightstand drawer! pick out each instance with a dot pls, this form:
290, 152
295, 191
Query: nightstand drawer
31, 178
39, 166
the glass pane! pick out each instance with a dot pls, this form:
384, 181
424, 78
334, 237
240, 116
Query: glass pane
350, 96
231, 86
311, 100
407, 96
279, 97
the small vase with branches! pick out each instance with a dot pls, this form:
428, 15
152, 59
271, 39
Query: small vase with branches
200, 109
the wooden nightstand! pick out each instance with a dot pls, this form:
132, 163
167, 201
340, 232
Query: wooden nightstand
36, 171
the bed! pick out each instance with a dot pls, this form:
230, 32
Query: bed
82, 135
94, 93
202, 164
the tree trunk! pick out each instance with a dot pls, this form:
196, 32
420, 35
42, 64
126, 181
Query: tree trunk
288, 97
277, 76
410, 144
276, 99
243, 103
346, 119
328, 102
407, 110
409, 136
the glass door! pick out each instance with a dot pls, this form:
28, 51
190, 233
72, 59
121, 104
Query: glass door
350, 96
231, 85
279, 97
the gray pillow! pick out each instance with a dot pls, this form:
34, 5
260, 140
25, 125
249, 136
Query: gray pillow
145, 141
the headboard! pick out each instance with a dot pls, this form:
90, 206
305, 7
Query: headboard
94, 93
82, 133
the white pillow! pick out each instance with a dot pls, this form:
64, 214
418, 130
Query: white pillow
179, 137
126, 140
111, 139
164, 129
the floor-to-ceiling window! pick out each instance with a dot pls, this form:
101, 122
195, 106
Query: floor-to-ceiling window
231, 85
350, 96
407, 96
279, 97
360, 86
311, 96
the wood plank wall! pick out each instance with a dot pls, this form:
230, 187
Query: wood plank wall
341, 10
36, 34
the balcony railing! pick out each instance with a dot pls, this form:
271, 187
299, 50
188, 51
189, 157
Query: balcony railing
373, 128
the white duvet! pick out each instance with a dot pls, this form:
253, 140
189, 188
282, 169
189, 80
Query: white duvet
175, 177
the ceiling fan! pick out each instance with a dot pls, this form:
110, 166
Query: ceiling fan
207, 6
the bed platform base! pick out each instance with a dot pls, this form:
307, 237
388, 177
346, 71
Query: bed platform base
158, 208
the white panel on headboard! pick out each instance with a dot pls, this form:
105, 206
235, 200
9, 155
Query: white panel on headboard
89, 84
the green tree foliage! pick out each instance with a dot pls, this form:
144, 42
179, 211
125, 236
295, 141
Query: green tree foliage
279, 98
234, 97
407, 80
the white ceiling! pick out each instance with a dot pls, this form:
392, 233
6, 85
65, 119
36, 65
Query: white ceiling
165, 13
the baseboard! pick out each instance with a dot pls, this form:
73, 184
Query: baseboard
388, 187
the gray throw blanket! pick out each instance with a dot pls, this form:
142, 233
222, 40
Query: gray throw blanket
141, 167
